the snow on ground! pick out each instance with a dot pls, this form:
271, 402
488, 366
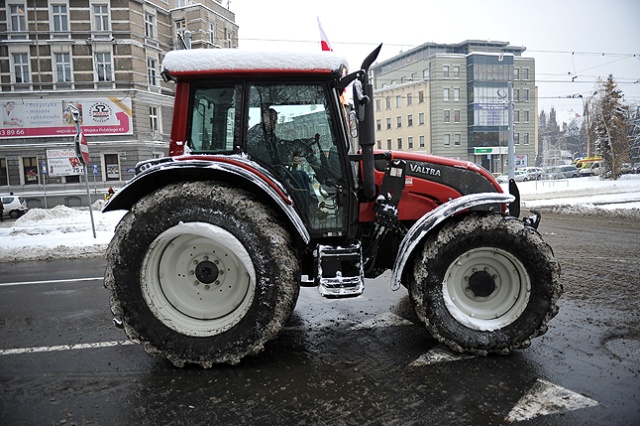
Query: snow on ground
64, 232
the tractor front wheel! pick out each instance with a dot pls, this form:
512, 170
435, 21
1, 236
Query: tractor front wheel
486, 284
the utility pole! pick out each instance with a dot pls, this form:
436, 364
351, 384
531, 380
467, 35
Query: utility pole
511, 148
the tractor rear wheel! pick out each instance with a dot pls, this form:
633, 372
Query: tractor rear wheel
202, 273
486, 284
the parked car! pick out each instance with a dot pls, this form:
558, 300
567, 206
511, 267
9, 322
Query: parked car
561, 172
534, 173
518, 176
626, 168
14, 206
591, 169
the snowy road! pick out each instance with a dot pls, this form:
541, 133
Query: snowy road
363, 361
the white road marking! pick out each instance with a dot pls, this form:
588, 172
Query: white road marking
69, 280
547, 398
20, 351
437, 355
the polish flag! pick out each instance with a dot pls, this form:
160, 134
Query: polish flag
324, 40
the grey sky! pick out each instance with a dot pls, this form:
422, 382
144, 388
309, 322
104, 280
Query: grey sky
584, 39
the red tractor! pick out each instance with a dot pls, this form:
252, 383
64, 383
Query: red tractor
263, 193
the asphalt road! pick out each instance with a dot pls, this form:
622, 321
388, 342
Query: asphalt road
363, 361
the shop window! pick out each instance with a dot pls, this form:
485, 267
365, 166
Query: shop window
4, 177
112, 166
30, 170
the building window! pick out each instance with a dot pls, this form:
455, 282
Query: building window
228, 38
59, 17
377, 104
516, 73
388, 123
379, 144
447, 139
526, 116
456, 116
398, 121
445, 71
150, 25
398, 101
101, 17
421, 118
516, 116
526, 94
525, 73
410, 120
516, 138
445, 94
447, 116
17, 17
212, 33
30, 170
389, 144
456, 94
456, 71
399, 143
525, 138
420, 97
21, 67
409, 99
151, 71
425, 73
154, 120
410, 142
387, 102
63, 67
421, 141
456, 139
103, 67
378, 125
516, 95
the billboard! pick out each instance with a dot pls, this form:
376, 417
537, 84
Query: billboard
24, 118
63, 162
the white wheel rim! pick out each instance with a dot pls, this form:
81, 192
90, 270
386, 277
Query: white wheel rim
198, 279
503, 301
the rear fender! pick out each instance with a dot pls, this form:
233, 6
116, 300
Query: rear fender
431, 220
155, 175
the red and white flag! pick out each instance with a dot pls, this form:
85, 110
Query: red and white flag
324, 40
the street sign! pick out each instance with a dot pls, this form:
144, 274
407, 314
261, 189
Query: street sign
82, 148
95, 169
44, 167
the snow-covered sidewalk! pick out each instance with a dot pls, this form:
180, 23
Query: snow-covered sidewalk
64, 232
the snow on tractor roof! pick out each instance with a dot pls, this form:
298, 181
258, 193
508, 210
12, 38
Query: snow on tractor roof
201, 61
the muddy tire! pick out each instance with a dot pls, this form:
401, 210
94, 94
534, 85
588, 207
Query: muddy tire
202, 273
485, 284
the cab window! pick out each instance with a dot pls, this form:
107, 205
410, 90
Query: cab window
212, 120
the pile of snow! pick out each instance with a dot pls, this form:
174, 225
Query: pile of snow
65, 232
57, 233
585, 195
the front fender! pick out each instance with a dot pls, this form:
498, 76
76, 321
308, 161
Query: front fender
429, 221
248, 174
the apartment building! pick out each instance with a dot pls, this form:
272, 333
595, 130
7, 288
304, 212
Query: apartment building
103, 57
452, 100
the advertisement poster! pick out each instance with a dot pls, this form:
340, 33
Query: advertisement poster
23, 118
63, 162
